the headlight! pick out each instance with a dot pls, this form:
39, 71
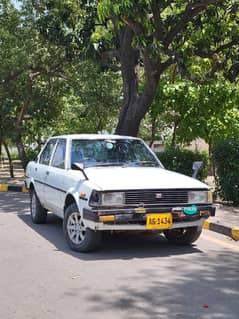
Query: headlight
196, 197
116, 198
107, 199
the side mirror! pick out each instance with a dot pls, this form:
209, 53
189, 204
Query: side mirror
80, 167
196, 168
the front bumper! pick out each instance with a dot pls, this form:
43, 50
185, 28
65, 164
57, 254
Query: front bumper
135, 218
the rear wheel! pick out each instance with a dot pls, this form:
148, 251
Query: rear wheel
38, 212
183, 236
78, 237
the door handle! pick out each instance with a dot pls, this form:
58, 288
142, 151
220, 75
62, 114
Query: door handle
47, 173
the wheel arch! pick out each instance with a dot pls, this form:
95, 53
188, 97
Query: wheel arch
31, 187
70, 199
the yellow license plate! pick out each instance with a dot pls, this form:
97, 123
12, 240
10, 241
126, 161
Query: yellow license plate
159, 221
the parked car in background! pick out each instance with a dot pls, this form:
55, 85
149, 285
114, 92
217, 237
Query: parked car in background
99, 183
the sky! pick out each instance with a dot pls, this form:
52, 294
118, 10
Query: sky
16, 3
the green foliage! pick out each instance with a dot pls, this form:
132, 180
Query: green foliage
199, 37
49, 91
30, 73
181, 160
226, 155
66, 23
49, 43
31, 154
208, 111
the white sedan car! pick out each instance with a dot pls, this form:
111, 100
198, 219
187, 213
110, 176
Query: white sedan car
99, 183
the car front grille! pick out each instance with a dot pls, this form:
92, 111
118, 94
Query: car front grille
156, 197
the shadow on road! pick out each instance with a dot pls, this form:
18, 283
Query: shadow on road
176, 283
114, 246
202, 287
11, 202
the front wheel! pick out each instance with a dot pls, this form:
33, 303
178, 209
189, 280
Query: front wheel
183, 236
78, 237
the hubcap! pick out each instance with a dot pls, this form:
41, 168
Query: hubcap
76, 228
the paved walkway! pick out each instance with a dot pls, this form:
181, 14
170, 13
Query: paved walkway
5, 174
226, 215
225, 222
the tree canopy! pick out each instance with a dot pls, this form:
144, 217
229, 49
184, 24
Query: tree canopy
87, 66
200, 37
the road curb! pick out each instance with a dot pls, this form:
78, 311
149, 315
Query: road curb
232, 232
13, 188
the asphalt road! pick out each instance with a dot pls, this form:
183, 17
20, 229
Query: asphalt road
131, 277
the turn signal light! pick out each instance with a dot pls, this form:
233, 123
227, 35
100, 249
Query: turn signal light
209, 197
107, 218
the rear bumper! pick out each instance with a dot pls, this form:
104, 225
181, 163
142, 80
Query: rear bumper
135, 218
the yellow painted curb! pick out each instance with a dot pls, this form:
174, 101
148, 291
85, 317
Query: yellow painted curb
235, 233
3, 188
206, 224
24, 189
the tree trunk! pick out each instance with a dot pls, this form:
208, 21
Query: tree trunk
153, 130
21, 149
173, 142
1, 158
11, 171
134, 107
20, 118
211, 159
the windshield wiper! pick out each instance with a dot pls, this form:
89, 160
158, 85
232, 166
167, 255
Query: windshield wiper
145, 163
124, 164
107, 164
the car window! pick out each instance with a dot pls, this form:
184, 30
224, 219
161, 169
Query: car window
59, 155
47, 152
112, 152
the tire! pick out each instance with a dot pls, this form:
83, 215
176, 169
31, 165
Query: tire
38, 213
183, 236
78, 237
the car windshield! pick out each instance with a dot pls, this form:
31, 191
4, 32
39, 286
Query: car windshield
109, 152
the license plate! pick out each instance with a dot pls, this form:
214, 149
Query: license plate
159, 221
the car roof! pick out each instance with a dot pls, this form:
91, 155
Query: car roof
94, 136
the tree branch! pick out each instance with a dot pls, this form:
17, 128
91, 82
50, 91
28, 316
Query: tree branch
190, 12
210, 54
133, 25
159, 27
28, 90
233, 72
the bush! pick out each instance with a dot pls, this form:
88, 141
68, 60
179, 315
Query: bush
31, 154
226, 157
181, 160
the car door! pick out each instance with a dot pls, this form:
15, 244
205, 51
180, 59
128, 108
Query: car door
42, 168
55, 191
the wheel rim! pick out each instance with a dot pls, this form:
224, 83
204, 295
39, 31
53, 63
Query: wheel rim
76, 228
33, 205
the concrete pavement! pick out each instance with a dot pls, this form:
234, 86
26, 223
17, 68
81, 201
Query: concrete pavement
225, 222
136, 276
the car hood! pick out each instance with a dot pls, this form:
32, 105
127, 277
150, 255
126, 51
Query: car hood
120, 178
